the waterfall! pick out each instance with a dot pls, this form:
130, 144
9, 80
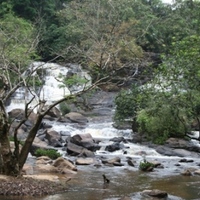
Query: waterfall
52, 88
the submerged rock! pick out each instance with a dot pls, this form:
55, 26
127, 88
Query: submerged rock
84, 161
154, 193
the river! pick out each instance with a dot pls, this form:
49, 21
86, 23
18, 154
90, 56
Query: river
125, 181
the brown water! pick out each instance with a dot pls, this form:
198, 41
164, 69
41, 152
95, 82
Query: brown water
88, 185
124, 181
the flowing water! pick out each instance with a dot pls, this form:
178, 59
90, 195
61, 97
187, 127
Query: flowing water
127, 181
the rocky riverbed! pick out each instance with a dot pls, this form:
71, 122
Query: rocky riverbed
111, 151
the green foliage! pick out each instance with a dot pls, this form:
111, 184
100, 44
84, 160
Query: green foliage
146, 166
17, 41
160, 123
51, 153
64, 108
127, 103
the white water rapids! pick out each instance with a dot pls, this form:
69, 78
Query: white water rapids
126, 180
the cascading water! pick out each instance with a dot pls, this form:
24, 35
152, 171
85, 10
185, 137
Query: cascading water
126, 180
53, 88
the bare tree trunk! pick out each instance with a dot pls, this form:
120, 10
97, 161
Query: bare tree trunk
8, 162
28, 143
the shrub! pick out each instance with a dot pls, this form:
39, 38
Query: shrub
160, 124
146, 166
64, 108
51, 153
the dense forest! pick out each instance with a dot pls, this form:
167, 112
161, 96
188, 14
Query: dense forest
148, 49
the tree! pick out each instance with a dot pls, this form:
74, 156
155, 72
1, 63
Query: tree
173, 94
18, 43
102, 36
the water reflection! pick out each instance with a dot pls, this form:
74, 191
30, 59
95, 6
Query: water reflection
89, 185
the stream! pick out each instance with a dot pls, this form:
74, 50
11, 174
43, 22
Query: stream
125, 181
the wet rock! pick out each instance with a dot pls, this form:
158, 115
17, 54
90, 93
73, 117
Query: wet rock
183, 153
197, 172
175, 152
186, 172
125, 198
38, 144
76, 117
84, 161
54, 112
118, 139
131, 162
75, 150
154, 193
45, 168
114, 147
61, 164
85, 140
178, 143
116, 161
54, 138
157, 164
184, 160
41, 134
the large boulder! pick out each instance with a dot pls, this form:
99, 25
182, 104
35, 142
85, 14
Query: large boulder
84, 140
54, 112
75, 150
84, 161
178, 143
114, 147
18, 114
76, 117
176, 152
116, 161
38, 144
54, 138
63, 165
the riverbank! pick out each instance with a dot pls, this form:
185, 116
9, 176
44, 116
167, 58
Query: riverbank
34, 185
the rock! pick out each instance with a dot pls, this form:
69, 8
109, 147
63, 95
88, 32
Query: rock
44, 160
155, 193
183, 153
186, 172
156, 164
197, 172
85, 140
54, 112
18, 114
118, 139
45, 168
164, 150
114, 147
27, 169
75, 150
54, 138
175, 152
38, 144
76, 117
131, 163
113, 161
84, 161
125, 198
61, 164
41, 134
184, 160
178, 143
